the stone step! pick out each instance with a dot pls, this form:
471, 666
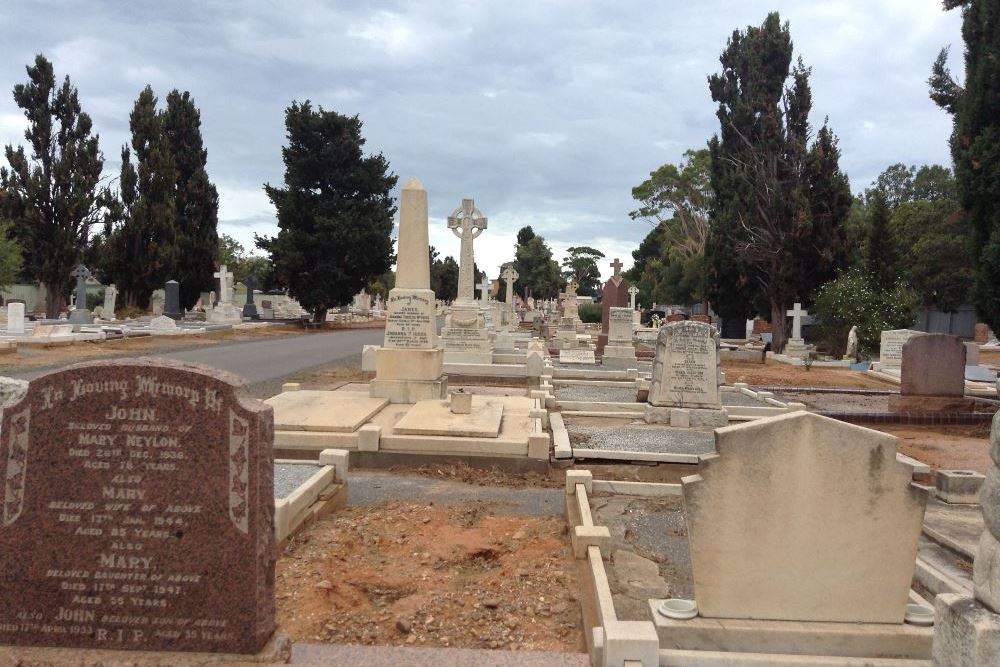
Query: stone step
392, 656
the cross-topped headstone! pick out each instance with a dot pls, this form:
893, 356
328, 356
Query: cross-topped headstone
509, 276
466, 222
797, 313
81, 273
225, 287
632, 291
617, 266
571, 287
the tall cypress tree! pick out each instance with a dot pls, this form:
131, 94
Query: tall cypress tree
975, 141
52, 192
195, 198
880, 256
145, 244
779, 203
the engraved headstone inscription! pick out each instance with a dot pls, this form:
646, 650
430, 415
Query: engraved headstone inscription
137, 511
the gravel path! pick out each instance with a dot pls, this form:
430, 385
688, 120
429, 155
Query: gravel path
642, 439
290, 476
583, 392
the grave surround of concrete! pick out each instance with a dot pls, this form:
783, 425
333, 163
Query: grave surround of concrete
142, 491
933, 365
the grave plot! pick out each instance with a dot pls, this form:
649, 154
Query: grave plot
478, 567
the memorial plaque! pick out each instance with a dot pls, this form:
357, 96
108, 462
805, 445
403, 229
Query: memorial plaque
577, 357
891, 346
686, 367
620, 326
411, 322
138, 511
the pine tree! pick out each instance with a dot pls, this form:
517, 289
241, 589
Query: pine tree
975, 141
880, 255
52, 193
334, 212
195, 199
144, 246
779, 203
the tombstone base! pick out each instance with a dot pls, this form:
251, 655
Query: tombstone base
409, 391
278, 650
695, 417
967, 634
81, 316
619, 357
224, 313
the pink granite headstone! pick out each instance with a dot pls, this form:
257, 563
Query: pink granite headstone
137, 511
933, 365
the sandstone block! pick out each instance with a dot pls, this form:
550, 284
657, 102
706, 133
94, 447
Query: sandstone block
958, 486
966, 634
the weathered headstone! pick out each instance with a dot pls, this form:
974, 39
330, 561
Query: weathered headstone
803, 518
933, 365
891, 346
686, 374
172, 300
619, 352
110, 300
138, 511
577, 357
409, 365
156, 302
15, 318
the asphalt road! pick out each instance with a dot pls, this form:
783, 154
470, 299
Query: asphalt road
264, 360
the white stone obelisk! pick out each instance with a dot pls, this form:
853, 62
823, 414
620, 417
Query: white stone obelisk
409, 365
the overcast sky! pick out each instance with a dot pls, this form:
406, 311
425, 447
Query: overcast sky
546, 113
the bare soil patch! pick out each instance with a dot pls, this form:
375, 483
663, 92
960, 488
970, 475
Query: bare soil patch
419, 575
775, 374
944, 447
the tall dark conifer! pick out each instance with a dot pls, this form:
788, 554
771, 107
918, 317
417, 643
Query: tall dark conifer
52, 192
778, 201
880, 256
145, 243
975, 141
195, 199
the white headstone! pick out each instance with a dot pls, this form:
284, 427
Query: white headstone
632, 291
15, 318
225, 286
620, 326
891, 346
803, 518
110, 301
686, 366
467, 223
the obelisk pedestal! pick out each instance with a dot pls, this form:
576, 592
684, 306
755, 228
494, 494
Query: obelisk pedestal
409, 365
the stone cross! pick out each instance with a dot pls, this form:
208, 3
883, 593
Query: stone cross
571, 287
797, 313
466, 222
617, 266
509, 276
81, 273
484, 289
632, 291
225, 288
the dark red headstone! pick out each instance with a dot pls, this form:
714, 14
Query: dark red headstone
138, 511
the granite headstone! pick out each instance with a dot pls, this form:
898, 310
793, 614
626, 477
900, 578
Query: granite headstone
138, 511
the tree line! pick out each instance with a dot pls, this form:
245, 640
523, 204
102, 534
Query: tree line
764, 216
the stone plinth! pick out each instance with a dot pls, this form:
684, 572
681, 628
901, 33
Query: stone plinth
138, 511
933, 365
803, 518
437, 418
466, 339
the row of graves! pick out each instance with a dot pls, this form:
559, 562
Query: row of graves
166, 317
146, 502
